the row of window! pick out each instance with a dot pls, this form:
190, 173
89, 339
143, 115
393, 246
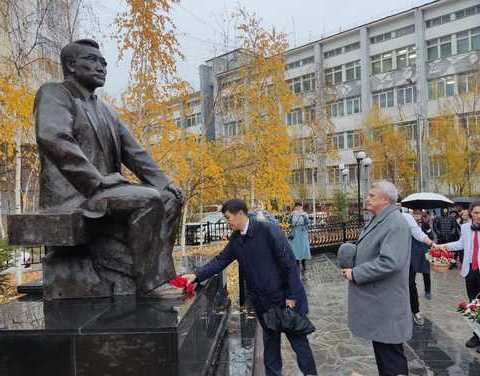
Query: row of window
342, 50
301, 116
449, 86
343, 107
345, 140
443, 47
410, 29
232, 128
303, 84
386, 98
302, 176
300, 63
335, 175
189, 121
440, 20
302, 146
343, 73
397, 59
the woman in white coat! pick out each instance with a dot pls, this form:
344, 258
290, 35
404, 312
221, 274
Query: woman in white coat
470, 242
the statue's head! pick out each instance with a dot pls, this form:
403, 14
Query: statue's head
83, 61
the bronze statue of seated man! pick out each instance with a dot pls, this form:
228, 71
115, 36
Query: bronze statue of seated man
82, 146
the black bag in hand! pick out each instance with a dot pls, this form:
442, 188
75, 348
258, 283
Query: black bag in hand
285, 319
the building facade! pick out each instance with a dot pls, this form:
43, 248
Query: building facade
409, 64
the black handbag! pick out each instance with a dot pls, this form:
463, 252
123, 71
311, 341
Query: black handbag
286, 320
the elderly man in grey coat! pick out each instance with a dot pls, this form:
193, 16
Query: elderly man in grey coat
378, 292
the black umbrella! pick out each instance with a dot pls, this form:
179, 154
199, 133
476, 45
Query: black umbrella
426, 200
464, 202
286, 320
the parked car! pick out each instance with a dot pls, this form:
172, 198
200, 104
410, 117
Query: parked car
211, 227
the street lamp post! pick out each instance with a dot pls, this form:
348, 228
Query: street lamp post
344, 175
359, 156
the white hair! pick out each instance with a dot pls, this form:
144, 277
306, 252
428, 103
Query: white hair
388, 189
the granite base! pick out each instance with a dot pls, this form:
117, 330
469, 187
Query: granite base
114, 337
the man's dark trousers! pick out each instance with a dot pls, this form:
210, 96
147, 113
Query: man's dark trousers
272, 356
391, 360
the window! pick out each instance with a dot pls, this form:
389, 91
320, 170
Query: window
352, 172
329, 76
334, 175
311, 174
406, 57
309, 114
437, 167
193, 120
467, 83
295, 117
337, 141
441, 87
353, 46
410, 29
407, 129
231, 129
334, 52
463, 42
471, 123
178, 122
304, 83
353, 105
337, 74
354, 139
334, 75
475, 38
467, 12
446, 46
381, 63
384, 98
405, 31
298, 177
432, 50
336, 109
406, 94
308, 82
300, 63
353, 71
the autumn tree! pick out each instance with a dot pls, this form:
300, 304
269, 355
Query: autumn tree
148, 31
257, 158
454, 136
391, 149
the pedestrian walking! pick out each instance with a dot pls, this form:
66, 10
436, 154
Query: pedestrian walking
298, 238
418, 263
425, 225
470, 243
272, 278
378, 292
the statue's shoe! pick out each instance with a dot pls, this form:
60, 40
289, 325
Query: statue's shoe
166, 291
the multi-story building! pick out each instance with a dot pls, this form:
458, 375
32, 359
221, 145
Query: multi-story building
408, 64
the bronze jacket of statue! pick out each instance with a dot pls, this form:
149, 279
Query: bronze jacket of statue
80, 140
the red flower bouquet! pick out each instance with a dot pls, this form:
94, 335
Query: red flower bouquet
440, 259
472, 312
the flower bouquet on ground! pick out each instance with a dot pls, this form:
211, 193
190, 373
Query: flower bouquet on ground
472, 312
440, 259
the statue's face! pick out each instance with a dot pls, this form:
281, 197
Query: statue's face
89, 68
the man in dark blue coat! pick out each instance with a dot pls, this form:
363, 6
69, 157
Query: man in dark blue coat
272, 278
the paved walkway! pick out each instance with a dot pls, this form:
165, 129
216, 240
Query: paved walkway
437, 348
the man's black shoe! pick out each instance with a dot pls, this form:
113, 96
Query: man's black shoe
473, 342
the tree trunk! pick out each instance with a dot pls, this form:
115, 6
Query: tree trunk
184, 224
18, 198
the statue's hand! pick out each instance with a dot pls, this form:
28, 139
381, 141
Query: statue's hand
113, 180
177, 192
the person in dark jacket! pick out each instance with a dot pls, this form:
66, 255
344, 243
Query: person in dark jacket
272, 278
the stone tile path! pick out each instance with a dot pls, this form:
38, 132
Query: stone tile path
437, 348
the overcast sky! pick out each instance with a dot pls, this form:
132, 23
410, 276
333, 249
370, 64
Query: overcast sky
200, 25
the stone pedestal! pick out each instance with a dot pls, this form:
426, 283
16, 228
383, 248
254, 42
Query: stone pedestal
113, 336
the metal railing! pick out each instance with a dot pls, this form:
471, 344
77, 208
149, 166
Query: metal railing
196, 234
333, 233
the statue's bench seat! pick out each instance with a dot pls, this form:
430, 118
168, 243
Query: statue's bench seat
79, 261
48, 229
